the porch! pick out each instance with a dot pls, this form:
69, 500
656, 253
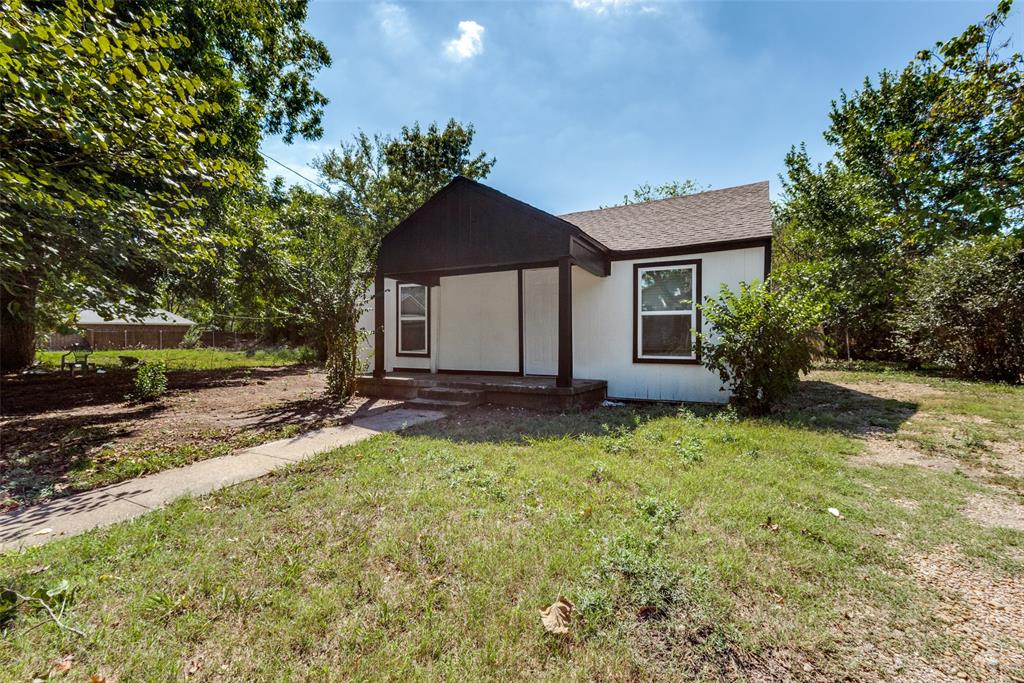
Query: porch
477, 282
442, 390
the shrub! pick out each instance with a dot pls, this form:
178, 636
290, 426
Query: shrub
760, 341
964, 310
150, 382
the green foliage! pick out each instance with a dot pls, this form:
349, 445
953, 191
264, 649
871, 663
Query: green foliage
150, 382
930, 154
761, 340
674, 188
125, 130
964, 310
308, 260
379, 180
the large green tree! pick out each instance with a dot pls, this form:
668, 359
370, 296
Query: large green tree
924, 156
125, 131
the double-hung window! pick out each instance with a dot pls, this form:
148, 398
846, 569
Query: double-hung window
666, 317
413, 328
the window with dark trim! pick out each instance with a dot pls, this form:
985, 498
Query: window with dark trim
413, 320
665, 314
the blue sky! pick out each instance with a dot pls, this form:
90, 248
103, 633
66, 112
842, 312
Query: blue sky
582, 100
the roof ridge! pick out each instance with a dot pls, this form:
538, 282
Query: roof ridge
664, 199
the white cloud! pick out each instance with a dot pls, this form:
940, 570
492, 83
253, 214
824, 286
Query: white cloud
469, 43
394, 23
602, 7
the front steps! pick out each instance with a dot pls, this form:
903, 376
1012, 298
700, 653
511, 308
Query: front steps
446, 398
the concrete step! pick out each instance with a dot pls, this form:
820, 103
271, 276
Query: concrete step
437, 404
473, 396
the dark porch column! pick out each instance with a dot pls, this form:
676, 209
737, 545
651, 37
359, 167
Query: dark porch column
378, 325
564, 378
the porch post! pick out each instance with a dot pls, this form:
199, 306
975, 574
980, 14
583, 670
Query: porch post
564, 378
378, 325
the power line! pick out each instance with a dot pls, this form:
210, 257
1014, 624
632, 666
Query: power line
289, 168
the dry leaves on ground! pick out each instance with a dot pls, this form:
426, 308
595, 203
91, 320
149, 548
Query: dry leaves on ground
556, 617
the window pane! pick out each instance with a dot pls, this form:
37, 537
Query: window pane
414, 300
667, 289
414, 335
665, 335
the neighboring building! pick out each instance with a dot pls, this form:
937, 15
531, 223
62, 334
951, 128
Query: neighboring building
477, 283
159, 330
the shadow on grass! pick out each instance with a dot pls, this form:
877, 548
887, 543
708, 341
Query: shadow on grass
311, 413
817, 405
830, 407
498, 424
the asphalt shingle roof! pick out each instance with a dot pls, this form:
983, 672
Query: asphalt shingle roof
734, 213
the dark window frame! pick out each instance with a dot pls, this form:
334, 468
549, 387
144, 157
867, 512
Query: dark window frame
697, 299
398, 322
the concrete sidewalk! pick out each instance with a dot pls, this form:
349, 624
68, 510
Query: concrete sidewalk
83, 511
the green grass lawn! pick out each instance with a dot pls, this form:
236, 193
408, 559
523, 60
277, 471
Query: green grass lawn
694, 545
192, 359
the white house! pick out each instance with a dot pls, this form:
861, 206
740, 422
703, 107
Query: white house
477, 289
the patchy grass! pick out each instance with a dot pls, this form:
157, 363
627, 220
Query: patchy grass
694, 545
192, 359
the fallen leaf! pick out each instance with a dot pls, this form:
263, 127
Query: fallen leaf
43, 531
38, 569
96, 678
556, 617
62, 666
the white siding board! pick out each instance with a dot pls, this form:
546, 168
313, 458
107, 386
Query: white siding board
540, 321
603, 329
479, 322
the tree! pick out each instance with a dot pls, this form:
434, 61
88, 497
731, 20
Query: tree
964, 310
127, 133
102, 158
307, 260
378, 181
674, 188
924, 156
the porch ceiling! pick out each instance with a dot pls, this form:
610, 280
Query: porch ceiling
468, 227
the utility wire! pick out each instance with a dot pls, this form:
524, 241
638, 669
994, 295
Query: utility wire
289, 168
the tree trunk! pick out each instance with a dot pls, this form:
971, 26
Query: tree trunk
18, 324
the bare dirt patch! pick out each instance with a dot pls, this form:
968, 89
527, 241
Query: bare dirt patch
62, 435
893, 390
997, 512
981, 611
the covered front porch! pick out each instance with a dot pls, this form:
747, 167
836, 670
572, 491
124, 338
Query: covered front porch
475, 283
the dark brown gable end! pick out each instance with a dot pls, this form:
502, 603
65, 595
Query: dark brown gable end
471, 228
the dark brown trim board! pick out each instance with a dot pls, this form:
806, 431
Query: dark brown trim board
378, 325
698, 286
564, 378
423, 370
519, 277
398, 321
767, 259
691, 249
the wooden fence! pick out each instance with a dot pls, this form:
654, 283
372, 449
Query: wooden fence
102, 337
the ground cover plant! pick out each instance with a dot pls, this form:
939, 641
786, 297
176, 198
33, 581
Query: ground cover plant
691, 543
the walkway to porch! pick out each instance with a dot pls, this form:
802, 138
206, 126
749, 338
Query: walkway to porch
524, 391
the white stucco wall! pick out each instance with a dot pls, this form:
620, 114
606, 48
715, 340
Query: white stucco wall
603, 329
478, 322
